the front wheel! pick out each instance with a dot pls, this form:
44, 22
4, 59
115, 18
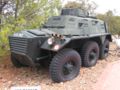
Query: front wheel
65, 65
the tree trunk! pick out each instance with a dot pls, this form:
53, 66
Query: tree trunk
16, 13
16, 9
2, 4
0, 14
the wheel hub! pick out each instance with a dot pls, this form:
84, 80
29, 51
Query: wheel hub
68, 68
92, 56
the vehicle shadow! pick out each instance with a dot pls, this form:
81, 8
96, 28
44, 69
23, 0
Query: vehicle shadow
23, 76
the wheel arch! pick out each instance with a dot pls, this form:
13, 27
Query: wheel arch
78, 43
96, 39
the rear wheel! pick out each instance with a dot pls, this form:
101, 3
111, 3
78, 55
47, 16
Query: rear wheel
65, 65
90, 54
104, 49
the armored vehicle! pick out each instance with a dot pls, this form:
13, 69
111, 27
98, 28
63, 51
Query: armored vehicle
65, 43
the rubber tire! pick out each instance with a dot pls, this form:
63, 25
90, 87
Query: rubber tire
59, 60
102, 55
15, 62
88, 46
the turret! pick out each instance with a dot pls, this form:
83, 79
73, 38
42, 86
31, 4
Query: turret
75, 12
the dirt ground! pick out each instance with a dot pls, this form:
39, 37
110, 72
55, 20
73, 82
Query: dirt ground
11, 76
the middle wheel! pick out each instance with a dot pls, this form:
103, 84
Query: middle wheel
90, 54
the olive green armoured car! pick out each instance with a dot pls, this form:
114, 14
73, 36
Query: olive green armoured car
64, 43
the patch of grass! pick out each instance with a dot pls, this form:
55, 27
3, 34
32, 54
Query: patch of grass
4, 54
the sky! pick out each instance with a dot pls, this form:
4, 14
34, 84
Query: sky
104, 5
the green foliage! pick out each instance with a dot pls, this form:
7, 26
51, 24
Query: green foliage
85, 5
112, 21
3, 39
28, 14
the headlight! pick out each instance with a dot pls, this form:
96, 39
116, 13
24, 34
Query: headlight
56, 47
50, 41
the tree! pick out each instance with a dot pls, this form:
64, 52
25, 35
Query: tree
24, 14
85, 5
112, 21
2, 5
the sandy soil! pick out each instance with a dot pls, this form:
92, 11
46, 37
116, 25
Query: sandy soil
11, 76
